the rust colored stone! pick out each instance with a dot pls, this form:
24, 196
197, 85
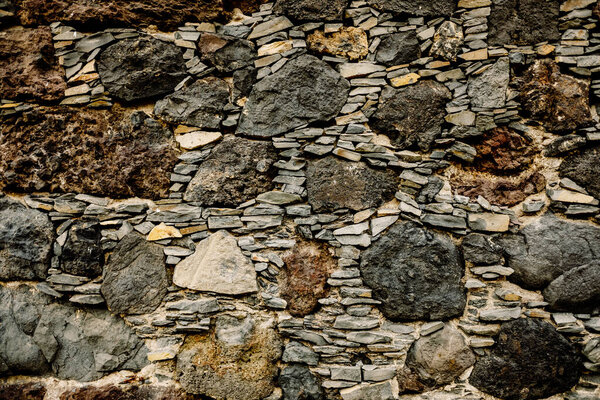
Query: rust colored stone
113, 392
22, 391
348, 42
304, 277
108, 153
28, 68
503, 151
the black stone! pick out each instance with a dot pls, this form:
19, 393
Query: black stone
298, 383
480, 249
398, 48
426, 8
226, 53
312, 10
82, 253
523, 22
584, 169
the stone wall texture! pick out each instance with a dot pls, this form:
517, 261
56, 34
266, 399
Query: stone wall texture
299, 199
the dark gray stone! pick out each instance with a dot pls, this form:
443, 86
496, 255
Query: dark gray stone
82, 253
226, 53
141, 68
584, 169
398, 48
480, 249
298, 383
305, 90
402, 117
427, 8
415, 273
333, 183
547, 248
488, 89
200, 104
243, 81
26, 237
576, 290
237, 170
135, 279
523, 22
312, 10
530, 360
296, 352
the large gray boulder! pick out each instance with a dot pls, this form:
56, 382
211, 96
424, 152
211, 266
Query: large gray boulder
298, 383
312, 10
488, 89
305, 90
576, 290
523, 22
82, 253
428, 8
26, 237
415, 273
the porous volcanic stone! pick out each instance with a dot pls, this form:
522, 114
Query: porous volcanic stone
237, 170
302, 281
305, 90
558, 101
447, 41
398, 48
22, 391
135, 279
427, 8
440, 357
312, 10
26, 237
415, 273
530, 360
82, 253
547, 248
200, 104
488, 89
100, 152
298, 383
402, 117
348, 42
113, 392
523, 22
576, 290
584, 169
333, 183
232, 370
503, 151
226, 53
141, 68
28, 68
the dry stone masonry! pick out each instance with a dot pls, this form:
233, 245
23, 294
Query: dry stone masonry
299, 200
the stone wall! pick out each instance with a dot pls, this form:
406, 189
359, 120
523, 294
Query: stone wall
305, 199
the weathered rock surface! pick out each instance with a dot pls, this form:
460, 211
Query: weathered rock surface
488, 89
298, 383
481, 249
576, 290
441, 357
333, 183
106, 153
135, 279
113, 392
22, 391
231, 370
28, 68
200, 104
523, 22
141, 68
226, 53
304, 90
427, 8
82, 253
36, 335
218, 265
25, 241
237, 170
401, 115
547, 248
348, 42
503, 151
303, 280
506, 191
558, 101
584, 169
415, 273
447, 41
312, 10
398, 48
530, 360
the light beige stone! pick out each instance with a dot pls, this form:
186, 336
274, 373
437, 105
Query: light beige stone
405, 80
489, 222
275, 48
474, 3
194, 140
163, 231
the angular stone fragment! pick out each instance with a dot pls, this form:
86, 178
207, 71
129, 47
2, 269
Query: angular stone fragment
28, 68
312, 10
584, 169
135, 279
576, 290
237, 170
102, 152
415, 273
296, 352
217, 265
348, 42
428, 8
141, 68
82, 252
26, 238
387, 390
489, 222
402, 117
333, 183
530, 360
447, 41
558, 101
523, 22
480, 249
398, 48
226, 53
304, 90
488, 89
200, 104
239, 370
298, 383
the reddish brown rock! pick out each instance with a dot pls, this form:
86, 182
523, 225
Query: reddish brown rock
28, 68
108, 153
113, 392
303, 280
503, 151
348, 42
22, 391
558, 101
